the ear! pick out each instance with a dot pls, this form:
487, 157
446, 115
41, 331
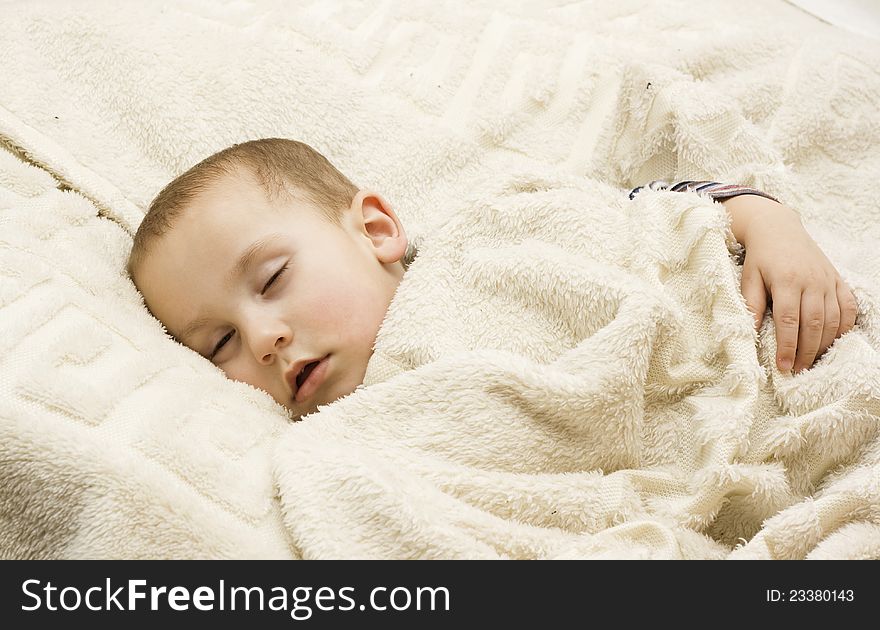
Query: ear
375, 219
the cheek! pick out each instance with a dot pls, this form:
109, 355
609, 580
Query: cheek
352, 306
242, 369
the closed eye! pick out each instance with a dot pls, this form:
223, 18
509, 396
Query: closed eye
228, 335
220, 344
273, 279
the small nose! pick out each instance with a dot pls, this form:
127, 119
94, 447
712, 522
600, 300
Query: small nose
268, 339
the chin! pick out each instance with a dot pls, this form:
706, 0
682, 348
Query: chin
340, 390
298, 412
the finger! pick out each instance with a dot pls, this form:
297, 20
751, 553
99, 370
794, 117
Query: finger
849, 308
812, 320
755, 293
786, 314
832, 323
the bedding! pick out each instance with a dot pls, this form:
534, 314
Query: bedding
630, 412
567, 373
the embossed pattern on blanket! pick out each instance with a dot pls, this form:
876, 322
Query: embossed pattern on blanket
117, 442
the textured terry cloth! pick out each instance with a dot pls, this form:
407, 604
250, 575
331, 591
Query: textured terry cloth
115, 441
713, 190
567, 373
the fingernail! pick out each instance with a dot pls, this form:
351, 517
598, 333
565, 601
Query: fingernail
785, 365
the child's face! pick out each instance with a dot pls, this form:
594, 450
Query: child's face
327, 305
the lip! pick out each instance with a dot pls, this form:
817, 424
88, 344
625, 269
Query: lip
314, 380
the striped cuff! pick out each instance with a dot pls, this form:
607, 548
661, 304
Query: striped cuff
713, 190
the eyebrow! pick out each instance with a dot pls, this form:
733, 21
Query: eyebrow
242, 266
249, 257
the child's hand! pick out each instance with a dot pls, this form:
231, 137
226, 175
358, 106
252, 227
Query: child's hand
811, 304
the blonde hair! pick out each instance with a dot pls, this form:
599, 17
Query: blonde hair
276, 163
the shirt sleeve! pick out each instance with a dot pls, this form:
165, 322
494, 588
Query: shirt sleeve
714, 190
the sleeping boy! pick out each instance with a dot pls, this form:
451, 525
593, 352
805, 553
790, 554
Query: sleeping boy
274, 266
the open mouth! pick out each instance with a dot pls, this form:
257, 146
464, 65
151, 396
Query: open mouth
304, 373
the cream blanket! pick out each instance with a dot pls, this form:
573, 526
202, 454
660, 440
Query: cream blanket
563, 373
566, 373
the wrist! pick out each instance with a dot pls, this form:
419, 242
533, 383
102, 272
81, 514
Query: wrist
751, 215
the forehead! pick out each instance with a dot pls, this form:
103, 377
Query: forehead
184, 275
237, 189
238, 196
189, 264
232, 207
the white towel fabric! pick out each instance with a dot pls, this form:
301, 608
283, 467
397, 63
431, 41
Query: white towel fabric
563, 373
566, 373
114, 441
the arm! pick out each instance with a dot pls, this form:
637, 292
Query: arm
811, 304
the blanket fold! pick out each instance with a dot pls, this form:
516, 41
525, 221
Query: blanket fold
564, 371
